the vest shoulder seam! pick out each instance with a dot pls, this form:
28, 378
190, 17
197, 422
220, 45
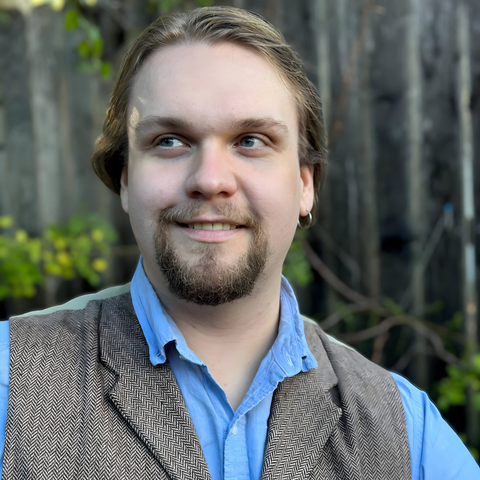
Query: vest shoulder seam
330, 338
81, 302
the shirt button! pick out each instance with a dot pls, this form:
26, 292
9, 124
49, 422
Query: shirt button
234, 430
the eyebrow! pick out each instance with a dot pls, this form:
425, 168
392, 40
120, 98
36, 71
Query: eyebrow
175, 123
152, 121
253, 123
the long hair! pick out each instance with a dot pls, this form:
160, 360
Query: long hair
212, 25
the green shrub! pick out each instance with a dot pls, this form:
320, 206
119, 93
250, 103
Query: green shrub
79, 248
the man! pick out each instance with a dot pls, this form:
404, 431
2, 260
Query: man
203, 367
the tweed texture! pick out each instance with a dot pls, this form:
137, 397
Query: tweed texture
86, 403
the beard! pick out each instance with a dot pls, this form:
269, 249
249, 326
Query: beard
208, 281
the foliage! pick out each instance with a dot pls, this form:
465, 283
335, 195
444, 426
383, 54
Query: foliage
90, 48
165, 6
5, 18
78, 248
452, 389
296, 267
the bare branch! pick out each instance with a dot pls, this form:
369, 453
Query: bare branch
330, 277
414, 323
405, 359
362, 303
340, 314
378, 346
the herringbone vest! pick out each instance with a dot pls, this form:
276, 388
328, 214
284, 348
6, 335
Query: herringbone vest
86, 403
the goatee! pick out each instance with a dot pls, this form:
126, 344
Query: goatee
208, 281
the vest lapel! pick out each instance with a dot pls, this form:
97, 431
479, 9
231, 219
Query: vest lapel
302, 418
149, 399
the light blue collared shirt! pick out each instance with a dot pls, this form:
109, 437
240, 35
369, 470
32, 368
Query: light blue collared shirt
234, 442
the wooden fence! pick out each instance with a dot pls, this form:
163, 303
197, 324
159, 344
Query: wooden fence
400, 85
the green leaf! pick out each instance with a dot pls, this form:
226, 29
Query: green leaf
165, 6
71, 19
6, 222
64, 251
443, 403
393, 307
205, 3
474, 453
106, 70
476, 363
476, 401
6, 19
456, 322
83, 48
97, 47
435, 307
296, 267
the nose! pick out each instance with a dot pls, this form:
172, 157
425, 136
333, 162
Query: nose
211, 174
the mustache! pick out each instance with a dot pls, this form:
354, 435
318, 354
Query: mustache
189, 212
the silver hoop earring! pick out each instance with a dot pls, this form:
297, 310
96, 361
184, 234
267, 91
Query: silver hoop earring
309, 222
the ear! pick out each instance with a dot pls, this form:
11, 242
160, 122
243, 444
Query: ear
306, 199
124, 188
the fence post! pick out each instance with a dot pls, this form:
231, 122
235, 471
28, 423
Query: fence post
324, 87
415, 178
464, 93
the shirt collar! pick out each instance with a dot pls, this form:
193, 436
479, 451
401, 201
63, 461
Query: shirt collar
290, 348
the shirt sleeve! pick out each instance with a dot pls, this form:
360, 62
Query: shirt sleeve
436, 451
4, 381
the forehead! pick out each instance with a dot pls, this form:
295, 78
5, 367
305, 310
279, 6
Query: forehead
211, 84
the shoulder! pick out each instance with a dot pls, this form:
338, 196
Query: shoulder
436, 450
344, 358
360, 382
79, 303
64, 322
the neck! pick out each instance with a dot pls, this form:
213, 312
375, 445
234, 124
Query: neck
232, 339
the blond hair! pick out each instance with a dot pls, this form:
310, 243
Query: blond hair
212, 25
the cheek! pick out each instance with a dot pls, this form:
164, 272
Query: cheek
150, 190
279, 196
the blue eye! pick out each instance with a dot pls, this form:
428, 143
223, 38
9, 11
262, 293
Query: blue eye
250, 142
170, 142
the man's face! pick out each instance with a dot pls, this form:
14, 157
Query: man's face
213, 185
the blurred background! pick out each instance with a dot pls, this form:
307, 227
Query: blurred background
390, 266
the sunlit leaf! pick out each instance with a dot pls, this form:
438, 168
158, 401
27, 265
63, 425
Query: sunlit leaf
53, 269
97, 235
21, 236
60, 243
64, 259
99, 265
57, 4
6, 222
